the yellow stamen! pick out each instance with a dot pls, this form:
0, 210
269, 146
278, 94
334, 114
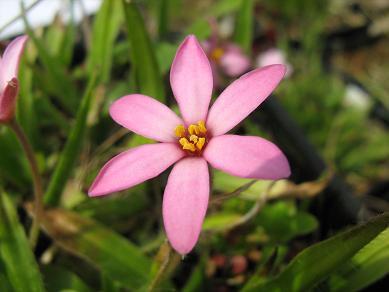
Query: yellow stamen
200, 143
193, 139
180, 131
193, 130
216, 54
186, 145
201, 127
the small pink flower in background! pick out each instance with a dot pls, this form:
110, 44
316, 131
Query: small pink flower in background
9, 85
228, 58
234, 62
192, 142
274, 56
225, 57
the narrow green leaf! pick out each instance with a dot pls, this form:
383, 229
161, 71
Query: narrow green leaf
220, 221
4, 283
71, 150
227, 183
316, 262
114, 210
60, 39
57, 79
367, 266
15, 253
165, 55
201, 27
163, 17
115, 256
105, 30
196, 279
13, 165
25, 105
58, 278
244, 27
143, 58
282, 221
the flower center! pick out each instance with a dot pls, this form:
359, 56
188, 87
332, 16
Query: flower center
216, 54
192, 139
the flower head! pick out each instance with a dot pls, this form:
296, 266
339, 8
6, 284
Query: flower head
274, 56
225, 57
193, 141
9, 85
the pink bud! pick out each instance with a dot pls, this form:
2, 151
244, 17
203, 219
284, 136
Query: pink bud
8, 100
9, 85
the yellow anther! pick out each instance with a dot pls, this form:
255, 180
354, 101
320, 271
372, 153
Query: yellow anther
180, 131
193, 138
200, 143
201, 127
186, 145
216, 54
193, 130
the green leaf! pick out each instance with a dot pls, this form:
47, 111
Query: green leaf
13, 165
115, 256
196, 279
114, 210
244, 27
227, 183
165, 55
56, 79
163, 17
72, 148
282, 221
105, 30
220, 221
26, 102
366, 267
15, 252
316, 262
142, 55
201, 27
58, 278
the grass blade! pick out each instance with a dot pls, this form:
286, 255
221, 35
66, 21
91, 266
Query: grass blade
143, 58
244, 26
105, 30
20, 267
316, 262
115, 256
72, 148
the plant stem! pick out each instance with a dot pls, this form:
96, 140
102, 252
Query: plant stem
38, 189
162, 269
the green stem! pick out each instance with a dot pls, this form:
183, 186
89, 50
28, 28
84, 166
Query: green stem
162, 269
38, 189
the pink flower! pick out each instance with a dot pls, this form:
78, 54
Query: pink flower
9, 85
225, 57
228, 58
234, 62
274, 56
192, 142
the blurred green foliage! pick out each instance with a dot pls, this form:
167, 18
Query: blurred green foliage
69, 77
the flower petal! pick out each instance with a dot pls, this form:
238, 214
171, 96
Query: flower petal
185, 203
145, 116
234, 62
191, 80
134, 166
247, 156
10, 62
243, 96
8, 100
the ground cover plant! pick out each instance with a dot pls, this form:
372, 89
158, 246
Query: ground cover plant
177, 145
